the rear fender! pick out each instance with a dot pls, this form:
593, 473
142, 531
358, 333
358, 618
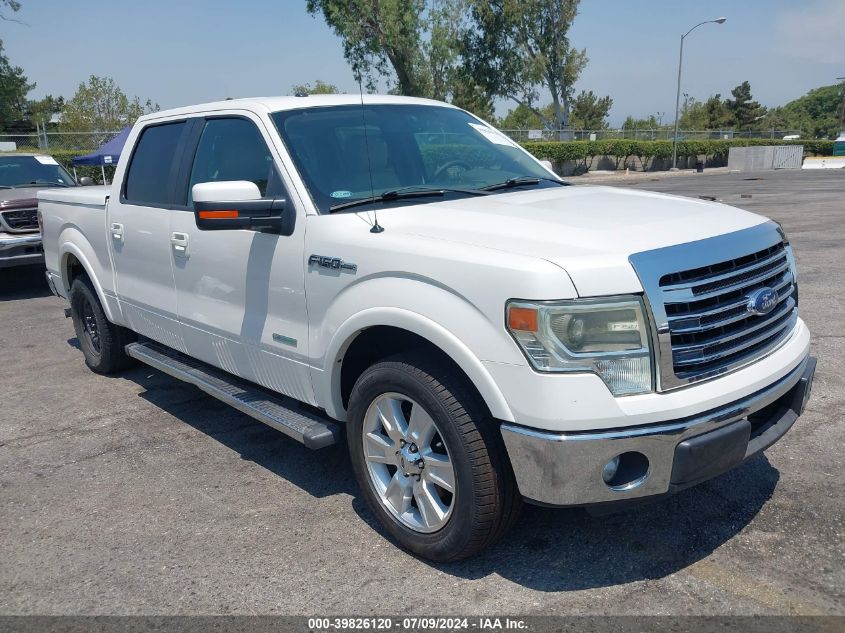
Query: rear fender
72, 242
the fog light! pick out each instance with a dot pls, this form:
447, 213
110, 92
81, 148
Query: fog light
626, 471
609, 470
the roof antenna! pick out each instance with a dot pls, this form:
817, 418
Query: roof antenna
376, 228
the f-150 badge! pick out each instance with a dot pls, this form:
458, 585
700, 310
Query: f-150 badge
332, 263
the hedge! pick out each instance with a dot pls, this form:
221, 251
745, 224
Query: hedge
621, 150
580, 152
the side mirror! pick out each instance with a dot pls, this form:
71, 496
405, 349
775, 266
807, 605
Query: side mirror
237, 204
548, 165
85, 181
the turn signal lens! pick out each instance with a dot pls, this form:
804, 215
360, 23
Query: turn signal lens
523, 319
219, 215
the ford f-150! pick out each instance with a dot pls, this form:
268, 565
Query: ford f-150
396, 271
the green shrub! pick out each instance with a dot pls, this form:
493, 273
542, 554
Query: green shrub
583, 152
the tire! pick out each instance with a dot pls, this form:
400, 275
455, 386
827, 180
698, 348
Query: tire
101, 341
484, 502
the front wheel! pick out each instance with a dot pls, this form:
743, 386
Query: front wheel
430, 462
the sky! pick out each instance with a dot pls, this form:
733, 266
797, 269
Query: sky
179, 52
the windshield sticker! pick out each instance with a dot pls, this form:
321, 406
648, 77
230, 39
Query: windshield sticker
46, 160
341, 194
494, 136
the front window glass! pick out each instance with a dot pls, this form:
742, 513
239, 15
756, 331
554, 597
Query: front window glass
233, 149
351, 152
30, 171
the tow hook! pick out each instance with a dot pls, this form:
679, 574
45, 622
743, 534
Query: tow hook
67, 313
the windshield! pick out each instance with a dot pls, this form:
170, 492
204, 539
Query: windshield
405, 146
26, 171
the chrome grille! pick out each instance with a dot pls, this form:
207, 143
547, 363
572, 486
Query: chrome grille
21, 220
698, 293
710, 327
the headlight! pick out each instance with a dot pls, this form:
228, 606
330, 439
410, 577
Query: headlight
608, 337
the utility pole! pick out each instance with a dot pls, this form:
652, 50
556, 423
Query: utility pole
678, 93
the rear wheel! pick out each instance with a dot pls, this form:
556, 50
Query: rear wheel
100, 340
430, 462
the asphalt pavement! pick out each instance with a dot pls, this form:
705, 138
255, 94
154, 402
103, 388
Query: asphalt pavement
137, 494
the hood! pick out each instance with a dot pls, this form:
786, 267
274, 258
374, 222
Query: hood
588, 231
19, 197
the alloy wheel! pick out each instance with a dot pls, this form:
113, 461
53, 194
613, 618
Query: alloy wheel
408, 463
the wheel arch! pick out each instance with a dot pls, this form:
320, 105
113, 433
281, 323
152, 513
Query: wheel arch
395, 330
72, 263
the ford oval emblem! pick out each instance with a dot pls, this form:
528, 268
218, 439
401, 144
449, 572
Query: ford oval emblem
762, 301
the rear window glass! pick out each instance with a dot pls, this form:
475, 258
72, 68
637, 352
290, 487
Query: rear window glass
148, 178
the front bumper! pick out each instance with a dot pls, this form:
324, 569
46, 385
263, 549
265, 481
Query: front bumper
20, 250
565, 469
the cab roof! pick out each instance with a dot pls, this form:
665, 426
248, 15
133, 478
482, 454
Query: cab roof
276, 104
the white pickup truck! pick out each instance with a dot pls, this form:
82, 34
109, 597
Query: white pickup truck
484, 332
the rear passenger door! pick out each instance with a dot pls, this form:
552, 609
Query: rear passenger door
241, 293
139, 232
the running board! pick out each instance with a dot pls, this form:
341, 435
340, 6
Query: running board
276, 411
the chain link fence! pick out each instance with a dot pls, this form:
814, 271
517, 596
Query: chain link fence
89, 141
657, 134
57, 141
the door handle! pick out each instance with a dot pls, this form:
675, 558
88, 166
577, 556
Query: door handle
117, 230
179, 242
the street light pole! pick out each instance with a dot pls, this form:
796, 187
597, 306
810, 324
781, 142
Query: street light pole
678, 92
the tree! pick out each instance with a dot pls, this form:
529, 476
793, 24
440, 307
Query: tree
742, 108
416, 44
450, 79
42, 110
469, 95
693, 114
649, 125
521, 118
101, 106
14, 87
718, 115
441, 51
516, 47
319, 88
378, 34
589, 112
816, 113
12, 5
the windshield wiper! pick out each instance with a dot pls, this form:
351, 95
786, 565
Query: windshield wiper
523, 181
46, 184
406, 192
